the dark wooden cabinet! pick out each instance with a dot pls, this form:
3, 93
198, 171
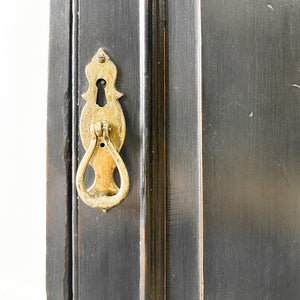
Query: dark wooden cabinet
211, 102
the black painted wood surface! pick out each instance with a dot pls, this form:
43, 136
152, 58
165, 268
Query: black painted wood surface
184, 190
59, 156
108, 243
251, 149
150, 247
119, 254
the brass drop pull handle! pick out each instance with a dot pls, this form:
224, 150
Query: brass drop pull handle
104, 202
102, 131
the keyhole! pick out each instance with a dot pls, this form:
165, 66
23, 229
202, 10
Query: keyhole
101, 98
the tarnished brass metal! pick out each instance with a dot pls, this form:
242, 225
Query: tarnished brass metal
102, 131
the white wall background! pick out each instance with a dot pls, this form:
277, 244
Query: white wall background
23, 93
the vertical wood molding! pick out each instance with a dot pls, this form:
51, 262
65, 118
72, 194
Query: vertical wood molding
75, 138
184, 151
59, 156
155, 112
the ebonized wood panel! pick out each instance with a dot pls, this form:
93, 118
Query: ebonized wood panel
109, 242
59, 156
251, 149
183, 122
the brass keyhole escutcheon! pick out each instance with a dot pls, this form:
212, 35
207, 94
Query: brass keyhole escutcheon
102, 132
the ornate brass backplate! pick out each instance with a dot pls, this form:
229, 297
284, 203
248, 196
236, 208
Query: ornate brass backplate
102, 131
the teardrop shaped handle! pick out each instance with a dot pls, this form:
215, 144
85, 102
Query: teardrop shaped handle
104, 202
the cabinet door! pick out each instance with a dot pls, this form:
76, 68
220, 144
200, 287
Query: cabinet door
212, 151
149, 246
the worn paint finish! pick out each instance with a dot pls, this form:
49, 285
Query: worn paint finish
183, 151
108, 243
251, 124
126, 244
59, 156
251, 147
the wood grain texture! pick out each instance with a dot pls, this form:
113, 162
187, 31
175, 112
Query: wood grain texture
251, 147
59, 260
109, 243
184, 195
120, 253
155, 212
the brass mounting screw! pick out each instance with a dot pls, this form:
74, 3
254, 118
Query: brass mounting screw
101, 59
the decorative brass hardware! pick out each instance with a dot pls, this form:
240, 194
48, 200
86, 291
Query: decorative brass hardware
102, 131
